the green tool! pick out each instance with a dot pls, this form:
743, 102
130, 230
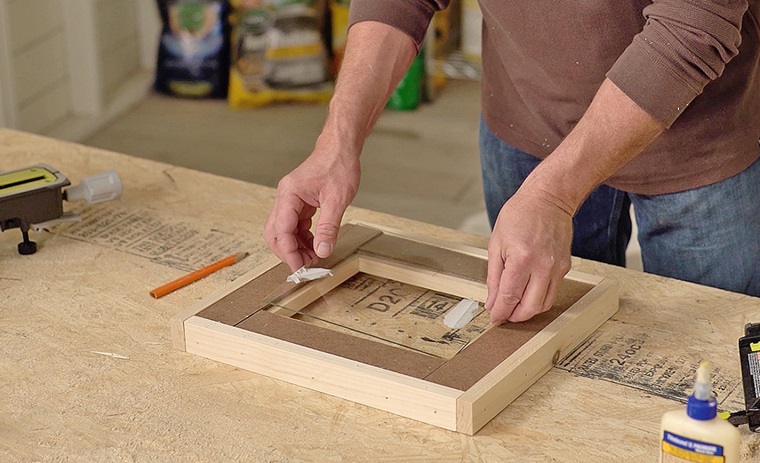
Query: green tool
32, 197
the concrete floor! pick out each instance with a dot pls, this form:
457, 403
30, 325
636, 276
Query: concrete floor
421, 164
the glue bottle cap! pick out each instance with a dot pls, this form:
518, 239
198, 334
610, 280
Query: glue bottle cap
702, 405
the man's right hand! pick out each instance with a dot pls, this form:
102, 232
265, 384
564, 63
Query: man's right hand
377, 56
328, 181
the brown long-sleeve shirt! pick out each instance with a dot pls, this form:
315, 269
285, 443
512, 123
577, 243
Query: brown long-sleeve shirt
694, 65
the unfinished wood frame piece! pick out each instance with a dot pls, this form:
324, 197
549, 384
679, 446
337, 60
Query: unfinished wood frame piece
241, 326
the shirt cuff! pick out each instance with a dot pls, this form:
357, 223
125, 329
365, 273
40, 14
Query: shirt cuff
409, 16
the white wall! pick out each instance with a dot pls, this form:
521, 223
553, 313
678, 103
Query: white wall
118, 44
150, 29
6, 102
31, 69
69, 66
38, 63
2, 112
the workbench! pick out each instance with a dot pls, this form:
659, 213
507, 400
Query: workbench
88, 373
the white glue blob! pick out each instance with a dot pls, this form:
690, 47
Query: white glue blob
461, 314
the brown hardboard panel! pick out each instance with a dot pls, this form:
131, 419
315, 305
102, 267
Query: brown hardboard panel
242, 308
498, 343
344, 345
461, 372
255, 295
241, 303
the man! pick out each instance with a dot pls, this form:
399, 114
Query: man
651, 102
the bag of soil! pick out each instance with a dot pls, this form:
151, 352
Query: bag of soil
278, 53
193, 53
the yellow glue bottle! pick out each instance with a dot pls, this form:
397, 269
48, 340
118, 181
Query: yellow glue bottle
697, 434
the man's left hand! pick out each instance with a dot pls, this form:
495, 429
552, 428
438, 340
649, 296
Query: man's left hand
528, 256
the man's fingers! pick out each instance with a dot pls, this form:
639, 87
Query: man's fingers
287, 250
326, 233
512, 284
304, 235
327, 180
285, 233
495, 267
532, 302
551, 293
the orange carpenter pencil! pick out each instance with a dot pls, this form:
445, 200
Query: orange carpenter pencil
197, 275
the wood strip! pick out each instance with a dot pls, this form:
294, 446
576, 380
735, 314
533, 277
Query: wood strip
461, 372
313, 290
495, 345
350, 238
492, 371
246, 300
425, 256
423, 278
581, 277
177, 322
484, 400
478, 250
377, 354
340, 377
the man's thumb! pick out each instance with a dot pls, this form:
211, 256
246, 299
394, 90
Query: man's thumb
326, 233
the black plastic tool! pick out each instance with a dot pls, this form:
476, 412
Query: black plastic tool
749, 354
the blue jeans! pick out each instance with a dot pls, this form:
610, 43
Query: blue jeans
708, 235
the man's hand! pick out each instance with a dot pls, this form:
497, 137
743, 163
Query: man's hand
377, 56
529, 250
528, 255
325, 181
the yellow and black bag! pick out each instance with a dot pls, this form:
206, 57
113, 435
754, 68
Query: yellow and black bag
278, 53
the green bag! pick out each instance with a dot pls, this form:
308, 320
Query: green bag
408, 93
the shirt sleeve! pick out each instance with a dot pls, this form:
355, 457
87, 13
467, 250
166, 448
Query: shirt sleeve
409, 16
683, 46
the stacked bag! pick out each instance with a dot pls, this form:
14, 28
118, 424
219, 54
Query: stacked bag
252, 52
193, 52
256, 52
278, 53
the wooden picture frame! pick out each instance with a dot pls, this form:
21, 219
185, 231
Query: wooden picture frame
241, 326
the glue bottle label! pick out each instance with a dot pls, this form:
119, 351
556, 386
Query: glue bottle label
677, 449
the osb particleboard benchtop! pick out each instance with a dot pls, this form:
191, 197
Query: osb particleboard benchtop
84, 294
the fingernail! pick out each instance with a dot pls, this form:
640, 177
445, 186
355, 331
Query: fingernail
324, 248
